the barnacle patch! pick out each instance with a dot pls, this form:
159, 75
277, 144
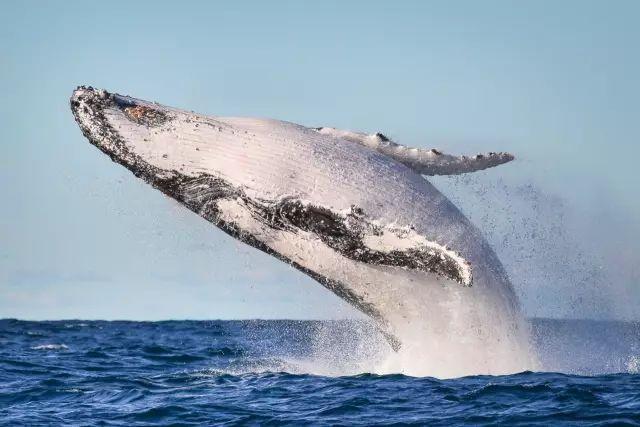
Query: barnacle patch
144, 115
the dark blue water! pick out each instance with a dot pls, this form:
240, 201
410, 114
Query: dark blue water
253, 372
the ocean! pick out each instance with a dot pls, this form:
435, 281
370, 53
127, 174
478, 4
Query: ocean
267, 372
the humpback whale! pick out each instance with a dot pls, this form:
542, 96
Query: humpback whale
352, 210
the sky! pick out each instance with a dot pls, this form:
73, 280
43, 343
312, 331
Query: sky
555, 83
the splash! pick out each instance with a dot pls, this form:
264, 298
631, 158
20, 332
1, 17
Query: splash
557, 271
343, 348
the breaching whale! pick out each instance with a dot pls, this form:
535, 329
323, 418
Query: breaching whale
351, 210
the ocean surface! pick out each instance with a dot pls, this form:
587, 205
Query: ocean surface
272, 373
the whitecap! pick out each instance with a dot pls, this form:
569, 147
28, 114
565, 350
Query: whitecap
50, 347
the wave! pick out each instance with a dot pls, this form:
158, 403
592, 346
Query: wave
54, 347
300, 372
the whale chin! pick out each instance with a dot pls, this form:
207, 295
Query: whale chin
89, 106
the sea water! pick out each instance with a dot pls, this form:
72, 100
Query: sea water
299, 372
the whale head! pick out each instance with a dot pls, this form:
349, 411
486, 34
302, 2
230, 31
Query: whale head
126, 129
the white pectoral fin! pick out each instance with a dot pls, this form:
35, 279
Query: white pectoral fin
423, 161
433, 162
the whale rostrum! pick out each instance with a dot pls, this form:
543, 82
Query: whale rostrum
349, 209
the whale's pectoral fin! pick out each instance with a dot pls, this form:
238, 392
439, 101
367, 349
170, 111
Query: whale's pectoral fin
423, 161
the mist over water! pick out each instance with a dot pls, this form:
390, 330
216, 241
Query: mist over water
574, 347
565, 259
565, 262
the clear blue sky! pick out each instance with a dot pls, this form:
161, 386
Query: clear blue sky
556, 83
